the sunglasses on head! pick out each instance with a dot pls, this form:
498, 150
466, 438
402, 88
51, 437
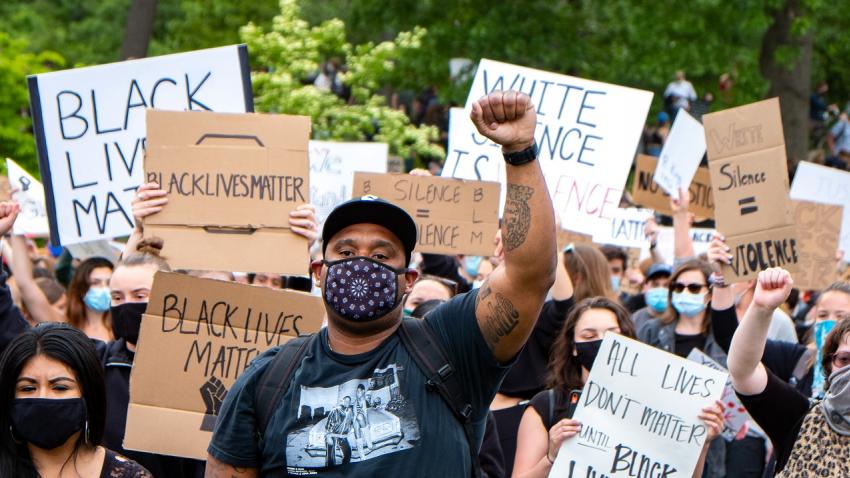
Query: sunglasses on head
678, 287
840, 359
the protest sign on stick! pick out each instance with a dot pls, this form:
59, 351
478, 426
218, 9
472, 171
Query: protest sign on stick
32, 221
332, 167
821, 184
89, 126
232, 180
681, 154
587, 133
639, 414
452, 216
646, 193
749, 175
818, 229
197, 337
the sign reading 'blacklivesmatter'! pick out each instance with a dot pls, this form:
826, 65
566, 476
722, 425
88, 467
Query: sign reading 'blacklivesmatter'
452, 216
587, 133
89, 126
749, 176
639, 414
197, 337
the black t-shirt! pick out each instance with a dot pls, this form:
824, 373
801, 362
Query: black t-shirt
779, 410
117, 466
686, 343
528, 374
364, 415
551, 412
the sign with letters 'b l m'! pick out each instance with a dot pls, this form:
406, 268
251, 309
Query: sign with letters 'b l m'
89, 126
452, 216
749, 177
197, 337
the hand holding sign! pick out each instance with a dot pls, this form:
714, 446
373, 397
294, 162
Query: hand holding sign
562, 430
8, 213
713, 418
507, 118
718, 253
303, 222
150, 199
773, 287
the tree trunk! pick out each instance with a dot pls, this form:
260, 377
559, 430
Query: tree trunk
790, 82
137, 35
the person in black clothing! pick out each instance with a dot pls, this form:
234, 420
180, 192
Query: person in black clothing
809, 440
53, 408
12, 321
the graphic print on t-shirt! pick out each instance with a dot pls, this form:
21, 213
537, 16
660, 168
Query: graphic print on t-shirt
354, 421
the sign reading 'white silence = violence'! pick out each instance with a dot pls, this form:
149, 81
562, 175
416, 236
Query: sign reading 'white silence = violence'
89, 125
587, 133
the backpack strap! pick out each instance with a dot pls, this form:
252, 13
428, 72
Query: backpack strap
274, 381
551, 394
422, 344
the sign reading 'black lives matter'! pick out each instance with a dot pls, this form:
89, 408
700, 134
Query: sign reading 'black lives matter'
89, 125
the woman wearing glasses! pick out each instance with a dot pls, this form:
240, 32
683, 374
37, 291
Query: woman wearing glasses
810, 438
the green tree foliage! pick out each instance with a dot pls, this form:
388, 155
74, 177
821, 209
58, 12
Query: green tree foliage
288, 53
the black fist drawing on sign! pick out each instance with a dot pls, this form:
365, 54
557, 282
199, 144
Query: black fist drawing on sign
212, 393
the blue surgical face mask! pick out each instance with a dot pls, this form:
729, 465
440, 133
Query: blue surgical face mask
656, 299
688, 304
615, 283
98, 298
471, 265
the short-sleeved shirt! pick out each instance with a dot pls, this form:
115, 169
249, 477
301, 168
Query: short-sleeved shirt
402, 427
117, 466
553, 405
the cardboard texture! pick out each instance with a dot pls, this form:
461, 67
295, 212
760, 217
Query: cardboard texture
760, 250
197, 337
749, 173
818, 230
452, 216
232, 180
645, 192
566, 237
813, 182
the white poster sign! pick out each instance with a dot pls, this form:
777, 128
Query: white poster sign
101, 248
332, 167
681, 154
825, 185
29, 193
624, 229
89, 125
587, 133
639, 414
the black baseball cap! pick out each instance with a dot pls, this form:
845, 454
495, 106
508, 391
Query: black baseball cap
371, 210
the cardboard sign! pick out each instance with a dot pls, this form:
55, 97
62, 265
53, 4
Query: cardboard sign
682, 152
197, 337
818, 228
569, 237
89, 126
639, 412
624, 229
232, 180
587, 133
452, 216
645, 192
825, 185
757, 251
332, 167
734, 413
32, 220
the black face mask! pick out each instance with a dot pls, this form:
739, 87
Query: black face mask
47, 422
587, 352
127, 320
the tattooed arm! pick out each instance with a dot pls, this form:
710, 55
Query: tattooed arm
217, 469
510, 301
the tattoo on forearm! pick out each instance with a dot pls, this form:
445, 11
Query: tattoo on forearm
517, 216
500, 318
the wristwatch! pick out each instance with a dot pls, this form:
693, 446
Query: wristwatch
518, 158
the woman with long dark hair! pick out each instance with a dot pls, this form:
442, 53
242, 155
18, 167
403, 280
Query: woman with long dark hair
53, 408
89, 300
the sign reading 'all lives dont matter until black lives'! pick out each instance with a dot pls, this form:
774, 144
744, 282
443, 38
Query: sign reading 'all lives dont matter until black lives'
453, 216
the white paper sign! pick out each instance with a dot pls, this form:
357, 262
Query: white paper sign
101, 248
624, 229
587, 133
735, 416
639, 414
89, 125
825, 185
32, 220
681, 154
332, 167
665, 242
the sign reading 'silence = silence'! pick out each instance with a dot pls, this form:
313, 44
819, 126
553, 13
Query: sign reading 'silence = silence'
452, 216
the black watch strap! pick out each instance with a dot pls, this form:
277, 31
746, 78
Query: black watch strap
518, 158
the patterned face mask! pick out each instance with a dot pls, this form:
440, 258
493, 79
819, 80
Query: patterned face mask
361, 289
